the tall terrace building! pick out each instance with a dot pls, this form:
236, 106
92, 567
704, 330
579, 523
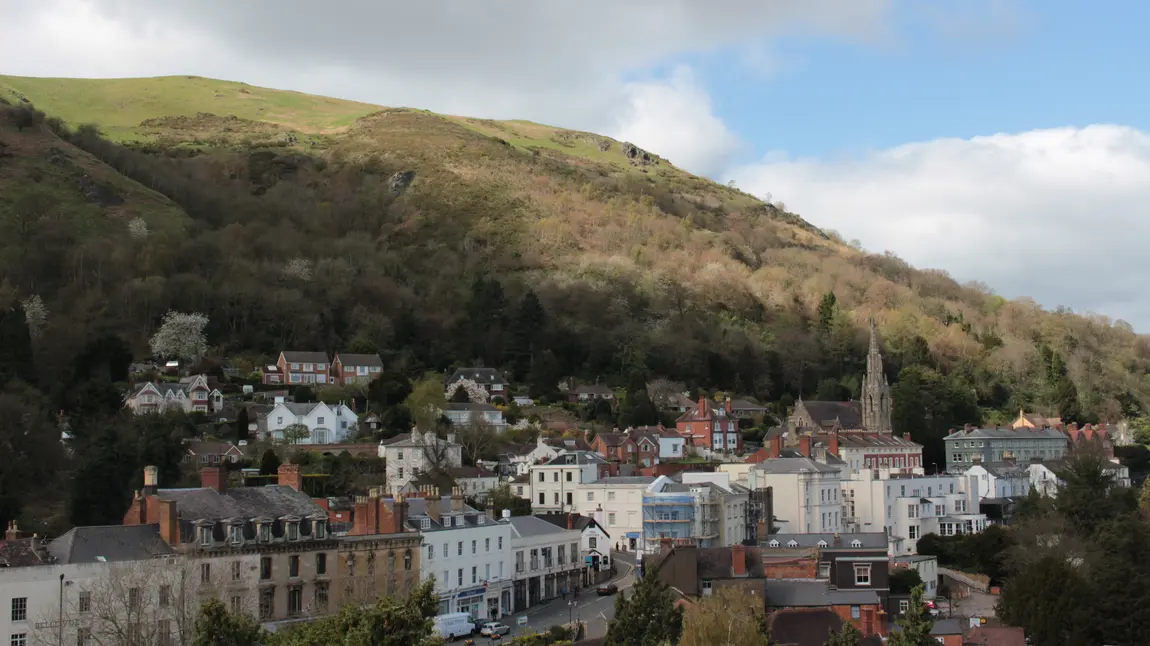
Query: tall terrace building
968, 445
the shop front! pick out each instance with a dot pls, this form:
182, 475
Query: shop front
471, 601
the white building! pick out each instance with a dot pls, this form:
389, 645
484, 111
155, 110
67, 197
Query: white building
191, 395
1000, 480
616, 503
704, 509
408, 455
547, 560
927, 568
807, 498
594, 542
729, 499
474, 481
554, 485
465, 414
882, 451
1044, 476
325, 424
467, 554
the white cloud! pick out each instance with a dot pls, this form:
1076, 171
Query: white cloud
562, 62
674, 117
1059, 215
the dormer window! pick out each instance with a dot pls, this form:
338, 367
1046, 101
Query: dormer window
792, 543
320, 529
293, 530
425, 523
236, 534
206, 536
265, 533
856, 543
822, 543
774, 543
481, 519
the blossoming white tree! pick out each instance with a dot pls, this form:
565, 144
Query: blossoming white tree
35, 314
476, 394
138, 228
181, 336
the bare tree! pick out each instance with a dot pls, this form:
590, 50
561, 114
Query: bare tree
662, 391
475, 438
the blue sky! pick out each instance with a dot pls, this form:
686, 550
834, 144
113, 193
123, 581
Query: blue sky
1003, 141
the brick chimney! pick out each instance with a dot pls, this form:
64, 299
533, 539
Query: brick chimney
397, 517
169, 522
805, 445
776, 445
151, 480
457, 500
570, 520
727, 407
703, 406
833, 444
289, 476
13, 532
214, 478
433, 506
665, 545
739, 560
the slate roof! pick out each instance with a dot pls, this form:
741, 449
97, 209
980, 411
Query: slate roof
793, 465
865, 440
571, 444
241, 502
532, 526
715, 562
580, 522
480, 376
294, 356
212, 448
996, 636
712, 411
576, 458
613, 439
470, 472
1006, 433
109, 543
349, 359
947, 627
417, 510
789, 593
823, 414
19, 553
625, 480
869, 540
301, 409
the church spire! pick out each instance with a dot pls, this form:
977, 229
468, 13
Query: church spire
875, 392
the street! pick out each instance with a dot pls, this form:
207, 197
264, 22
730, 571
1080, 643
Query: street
596, 611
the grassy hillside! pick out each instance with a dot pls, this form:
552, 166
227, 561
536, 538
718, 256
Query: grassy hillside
318, 223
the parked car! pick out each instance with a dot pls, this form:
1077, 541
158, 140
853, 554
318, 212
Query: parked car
494, 628
608, 589
454, 625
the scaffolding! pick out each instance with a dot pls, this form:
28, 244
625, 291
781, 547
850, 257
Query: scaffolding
694, 518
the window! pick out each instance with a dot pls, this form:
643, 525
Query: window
319, 420
862, 574
320, 529
20, 609
205, 536
164, 630
500, 541
237, 604
400, 456
83, 637
459, 577
473, 544
459, 549
541, 476
856, 543
610, 496
19, 639
487, 544
913, 532
265, 533
85, 601
293, 531
542, 498
265, 568
706, 586
556, 497
591, 496
295, 601
574, 553
903, 605
134, 598
267, 602
822, 543
321, 595
856, 612
425, 523
321, 563
401, 472
912, 510
205, 573
792, 543
824, 570
293, 566
593, 543
611, 518
940, 510
165, 595
570, 499
474, 574
407, 560
555, 477
561, 554
568, 476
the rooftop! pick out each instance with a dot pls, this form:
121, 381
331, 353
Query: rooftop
1006, 433
869, 540
109, 543
349, 359
624, 480
21, 552
478, 375
789, 593
824, 414
570, 458
793, 465
532, 526
296, 356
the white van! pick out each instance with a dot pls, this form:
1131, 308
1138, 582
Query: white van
453, 625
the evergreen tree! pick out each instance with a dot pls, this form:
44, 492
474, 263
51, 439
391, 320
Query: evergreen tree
543, 378
637, 410
526, 332
15, 347
101, 489
648, 616
1052, 601
848, 635
916, 624
826, 314
216, 625
242, 422
269, 463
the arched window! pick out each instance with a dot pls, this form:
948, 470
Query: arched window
407, 560
390, 561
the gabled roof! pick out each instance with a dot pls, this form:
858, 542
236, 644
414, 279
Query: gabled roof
480, 376
301, 408
867, 440
1006, 433
212, 448
109, 544
578, 521
371, 360
613, 439
710, 411
824, 414
296, 356
576, 458
746, 404
470, 472
241, 502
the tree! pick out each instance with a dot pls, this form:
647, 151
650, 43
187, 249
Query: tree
296, 433
35, 314
388, 622
647, 616
426, 402
1052, 601
637, 410
242, 423
477, 440
848, 635
729, 617
543, 377
30, 446
26, 116
388, 390
916, 624
181, 336
501, 497
1085, 496
826, 314
15, 346
269, 463
216, 625
303, 394
903, 580
525, 331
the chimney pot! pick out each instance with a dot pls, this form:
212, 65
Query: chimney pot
151, 476
13, 532
506, 514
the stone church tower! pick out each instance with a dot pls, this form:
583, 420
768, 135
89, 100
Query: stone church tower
876, 403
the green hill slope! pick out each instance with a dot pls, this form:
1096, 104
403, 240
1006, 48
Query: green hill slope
317, 223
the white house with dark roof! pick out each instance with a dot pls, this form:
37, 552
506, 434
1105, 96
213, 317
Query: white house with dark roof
327, 424
547, 560
467, 413
408, 455
616, 503
211, 453
192, 394
490, 379
555, 484
348, 368
595, 542
968, 445
806, 493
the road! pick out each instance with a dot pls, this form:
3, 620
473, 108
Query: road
590, 608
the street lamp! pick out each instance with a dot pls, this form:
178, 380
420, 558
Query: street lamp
570, 610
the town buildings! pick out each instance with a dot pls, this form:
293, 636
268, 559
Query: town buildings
711, 429
294, 368
554, 484
616, 503
190, 395
468, 413
908, 507
702, 571
986, 445
704, 509
212, 453
546, 557
348, 368
410, 454
489, 379
1045, 480
871, 414
806, 493
594, 543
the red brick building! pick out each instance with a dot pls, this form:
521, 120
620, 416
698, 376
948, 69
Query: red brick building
711, 427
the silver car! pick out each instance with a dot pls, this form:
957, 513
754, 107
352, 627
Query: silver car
493, 628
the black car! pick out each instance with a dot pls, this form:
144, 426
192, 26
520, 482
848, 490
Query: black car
609, 589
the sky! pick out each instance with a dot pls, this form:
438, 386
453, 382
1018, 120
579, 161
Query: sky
1004, 141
